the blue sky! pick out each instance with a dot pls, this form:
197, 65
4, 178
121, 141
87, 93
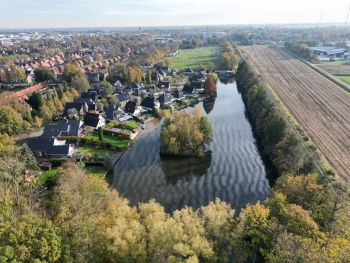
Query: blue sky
125, 13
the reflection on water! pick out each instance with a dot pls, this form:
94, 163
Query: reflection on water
184, 168
231, 170
208, 103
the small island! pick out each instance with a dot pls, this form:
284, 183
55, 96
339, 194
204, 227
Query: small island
185, 134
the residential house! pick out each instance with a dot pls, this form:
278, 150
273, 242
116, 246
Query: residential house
63, 128
166, 70
90, 95
164, 86
189, 90
94, 120
118, 86
149, 103
154, 91
197, 84
164, 100
93, 77
103, 73
91, 104
131, 88
134, 108
178, 95
123, 98
113, 113
136, 94
81, 107
187, 71
200, 76
155, 77
46, 147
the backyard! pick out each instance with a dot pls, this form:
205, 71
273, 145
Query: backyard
92, 150
45, 174
195, 58
114, 140
99, 171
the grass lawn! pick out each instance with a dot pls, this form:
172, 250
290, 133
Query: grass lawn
96, 170
345, 78
132, 124
114, 140
93, 150
193, 58
45, 174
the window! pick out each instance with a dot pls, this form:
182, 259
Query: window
38, 153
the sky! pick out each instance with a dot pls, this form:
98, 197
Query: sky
158, 13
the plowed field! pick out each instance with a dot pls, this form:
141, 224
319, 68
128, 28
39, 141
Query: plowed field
321, 108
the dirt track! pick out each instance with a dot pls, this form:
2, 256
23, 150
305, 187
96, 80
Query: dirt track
321, 109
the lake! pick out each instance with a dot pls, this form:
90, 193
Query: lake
232, 168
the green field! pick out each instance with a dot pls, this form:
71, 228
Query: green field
114, 140
92, 150
345, 78
99, 171
193, 58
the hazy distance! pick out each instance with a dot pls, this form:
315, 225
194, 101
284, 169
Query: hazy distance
158, 13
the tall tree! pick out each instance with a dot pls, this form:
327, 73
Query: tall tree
209, 86
108, 89
80, 84
148, 78
43, 74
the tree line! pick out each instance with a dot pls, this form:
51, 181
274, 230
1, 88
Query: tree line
301, 50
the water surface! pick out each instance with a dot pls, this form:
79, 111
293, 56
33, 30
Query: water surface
232, 168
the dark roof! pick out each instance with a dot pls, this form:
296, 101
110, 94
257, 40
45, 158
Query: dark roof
109, 111
148, 102
88, 101
55, 130
74, 126
92, 115
40, 144
130, 107
92, 95
97, 90
91, 121
133, 86
188, 89
74, 105
178, 94
137, 92
163, 85
197, 84
165, 99
165, 68
161, 72
58, 150
123, 97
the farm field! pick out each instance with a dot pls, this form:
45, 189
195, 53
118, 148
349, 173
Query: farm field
193, 58
321, 108
336, 69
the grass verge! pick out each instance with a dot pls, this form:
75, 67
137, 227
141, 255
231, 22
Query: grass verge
99, 171
93, 150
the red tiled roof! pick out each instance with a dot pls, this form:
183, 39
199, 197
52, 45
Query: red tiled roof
22, 94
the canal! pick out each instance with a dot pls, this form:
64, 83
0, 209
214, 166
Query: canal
232, 168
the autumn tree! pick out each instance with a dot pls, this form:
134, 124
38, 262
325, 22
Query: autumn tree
70, 71
209, 86
108, 89
148, 78
114, 100
10, 121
